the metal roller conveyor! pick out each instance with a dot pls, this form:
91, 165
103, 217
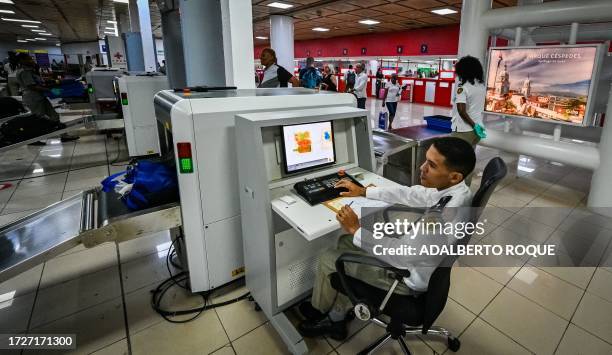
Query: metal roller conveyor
92, 217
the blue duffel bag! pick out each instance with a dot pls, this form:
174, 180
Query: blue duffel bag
146, 183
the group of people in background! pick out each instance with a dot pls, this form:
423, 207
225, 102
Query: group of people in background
310, 77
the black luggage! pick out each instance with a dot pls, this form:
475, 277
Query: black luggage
27, 127
10, 107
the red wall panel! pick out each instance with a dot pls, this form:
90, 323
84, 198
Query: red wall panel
440, 41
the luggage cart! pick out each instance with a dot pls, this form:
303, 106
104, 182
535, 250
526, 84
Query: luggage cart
91, 217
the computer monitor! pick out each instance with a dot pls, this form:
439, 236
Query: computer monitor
308, 146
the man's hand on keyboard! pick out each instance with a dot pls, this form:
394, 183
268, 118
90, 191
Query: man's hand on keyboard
354, 190
348, 219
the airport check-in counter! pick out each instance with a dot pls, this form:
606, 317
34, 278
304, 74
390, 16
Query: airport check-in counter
198, 127
283, 241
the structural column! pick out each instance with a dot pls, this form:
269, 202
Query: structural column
281, 40
238, 49
146, 34
173, 44
473, 35
600, 196
201, 28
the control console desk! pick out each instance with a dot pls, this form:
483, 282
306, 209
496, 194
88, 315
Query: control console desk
283, 234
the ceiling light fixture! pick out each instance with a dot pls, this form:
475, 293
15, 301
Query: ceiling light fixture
111, 33
113, 22
22, 41
7, 2
29, 26
444, 11
46, 34
38, 30
280, 5
40, 39
320, 29
261, 37
7, 12
19, 20
111, 28
369, 22
122, 1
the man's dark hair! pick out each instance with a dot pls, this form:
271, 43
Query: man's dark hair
350, 66
469, 69
458, 154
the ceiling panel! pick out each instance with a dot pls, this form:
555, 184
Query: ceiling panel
368, 3
392, 8
422, 4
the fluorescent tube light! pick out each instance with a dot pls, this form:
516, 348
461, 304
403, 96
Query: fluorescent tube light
369, 22
444, 11
280, 5
19, 20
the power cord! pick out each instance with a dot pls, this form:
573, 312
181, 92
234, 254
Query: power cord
181, 279
114, 162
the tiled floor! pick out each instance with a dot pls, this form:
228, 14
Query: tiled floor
526, 306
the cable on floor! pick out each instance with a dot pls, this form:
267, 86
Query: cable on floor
181, 280
114, 162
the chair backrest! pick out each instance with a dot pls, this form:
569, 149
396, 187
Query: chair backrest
439, 283
493, 173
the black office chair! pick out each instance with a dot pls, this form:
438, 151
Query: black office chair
410, 314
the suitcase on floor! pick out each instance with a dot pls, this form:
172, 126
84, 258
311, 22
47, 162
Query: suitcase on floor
27, 127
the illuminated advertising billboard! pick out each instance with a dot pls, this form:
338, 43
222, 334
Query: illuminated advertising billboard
550, 83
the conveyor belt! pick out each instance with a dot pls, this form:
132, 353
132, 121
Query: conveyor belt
70, 126
100, 122
91, 217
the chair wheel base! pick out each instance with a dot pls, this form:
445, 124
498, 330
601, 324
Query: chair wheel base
454, 344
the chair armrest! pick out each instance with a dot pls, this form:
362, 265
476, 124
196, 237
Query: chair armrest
397, 208
365, 260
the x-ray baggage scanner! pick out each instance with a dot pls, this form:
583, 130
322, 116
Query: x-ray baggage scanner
199, 128
136, 93
283, 234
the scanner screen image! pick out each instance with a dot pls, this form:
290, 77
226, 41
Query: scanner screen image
549, 83
308, 145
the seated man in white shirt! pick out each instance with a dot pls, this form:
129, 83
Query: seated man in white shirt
448, 161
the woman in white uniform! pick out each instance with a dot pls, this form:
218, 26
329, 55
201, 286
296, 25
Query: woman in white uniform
393, 91
469, 101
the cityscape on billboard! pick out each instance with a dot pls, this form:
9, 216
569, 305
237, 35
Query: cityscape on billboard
547, 83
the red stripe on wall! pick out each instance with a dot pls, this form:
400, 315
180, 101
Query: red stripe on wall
439, 40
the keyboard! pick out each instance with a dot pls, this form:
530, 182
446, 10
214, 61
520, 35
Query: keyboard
321, 189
